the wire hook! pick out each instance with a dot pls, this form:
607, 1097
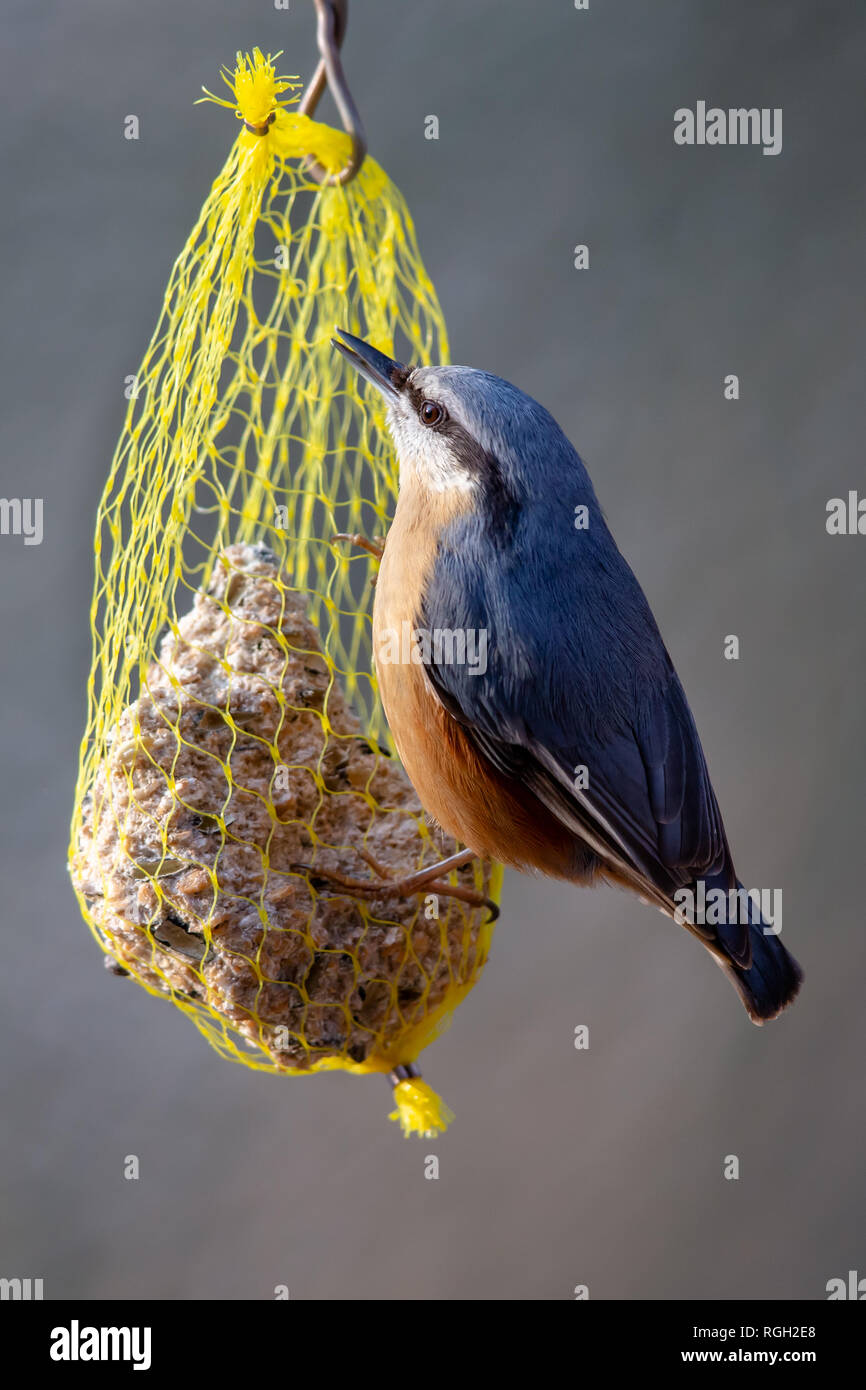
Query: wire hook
331, 20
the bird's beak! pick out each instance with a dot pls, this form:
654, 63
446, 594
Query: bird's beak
385, 374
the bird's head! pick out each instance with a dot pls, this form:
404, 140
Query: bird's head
459, 429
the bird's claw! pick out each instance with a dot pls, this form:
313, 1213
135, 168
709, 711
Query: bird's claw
375, 547
404, 887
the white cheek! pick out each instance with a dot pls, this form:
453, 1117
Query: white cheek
425, 455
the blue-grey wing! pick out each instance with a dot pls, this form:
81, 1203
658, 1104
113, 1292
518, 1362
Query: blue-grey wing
580, 703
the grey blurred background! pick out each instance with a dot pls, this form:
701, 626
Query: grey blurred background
603, 1167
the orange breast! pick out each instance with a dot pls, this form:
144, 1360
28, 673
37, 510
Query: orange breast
459, 788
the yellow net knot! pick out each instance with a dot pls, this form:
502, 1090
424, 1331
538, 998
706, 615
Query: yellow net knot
419, 1109
255, 87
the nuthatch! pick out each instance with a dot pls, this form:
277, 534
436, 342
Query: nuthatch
570, 749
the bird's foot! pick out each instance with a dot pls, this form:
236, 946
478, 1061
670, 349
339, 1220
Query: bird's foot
374, 547
425, 880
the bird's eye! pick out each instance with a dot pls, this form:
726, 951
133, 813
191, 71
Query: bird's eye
431, 413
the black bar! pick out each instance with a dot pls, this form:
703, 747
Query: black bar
261, 1338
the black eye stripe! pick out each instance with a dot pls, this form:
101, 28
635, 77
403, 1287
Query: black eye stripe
420, 402
470, 455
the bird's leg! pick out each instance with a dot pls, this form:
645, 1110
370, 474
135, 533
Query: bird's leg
423, 877
428, 878
375, 547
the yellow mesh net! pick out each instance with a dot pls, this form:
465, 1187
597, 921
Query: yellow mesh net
235, 758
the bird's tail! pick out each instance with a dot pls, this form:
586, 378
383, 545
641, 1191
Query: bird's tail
773, 979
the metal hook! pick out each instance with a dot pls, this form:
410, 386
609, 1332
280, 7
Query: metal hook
332, 17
